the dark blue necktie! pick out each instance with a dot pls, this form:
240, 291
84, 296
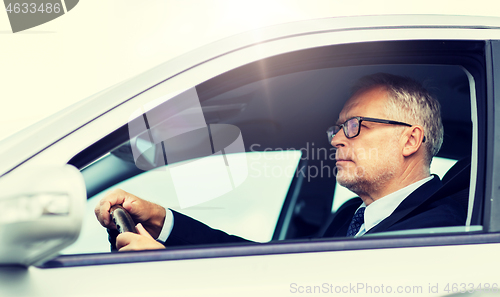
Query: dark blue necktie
357, 220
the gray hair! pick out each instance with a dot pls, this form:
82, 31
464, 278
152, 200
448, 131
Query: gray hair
409, 102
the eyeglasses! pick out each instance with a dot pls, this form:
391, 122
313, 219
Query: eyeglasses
352, 126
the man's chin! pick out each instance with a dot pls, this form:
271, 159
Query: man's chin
349, 178
353, 185
346, 180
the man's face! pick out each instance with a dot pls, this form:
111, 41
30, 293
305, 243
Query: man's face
370, 160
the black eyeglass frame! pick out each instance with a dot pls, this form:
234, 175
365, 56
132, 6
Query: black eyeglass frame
342, 126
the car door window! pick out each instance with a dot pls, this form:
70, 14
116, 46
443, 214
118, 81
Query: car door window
288, 187
250, 210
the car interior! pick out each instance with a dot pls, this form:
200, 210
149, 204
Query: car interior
287, 102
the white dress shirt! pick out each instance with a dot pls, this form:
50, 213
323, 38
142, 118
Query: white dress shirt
168, 225
383, 207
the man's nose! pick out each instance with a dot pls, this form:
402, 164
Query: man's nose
339, 139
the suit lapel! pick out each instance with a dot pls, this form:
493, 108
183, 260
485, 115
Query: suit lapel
339, 222
410, 203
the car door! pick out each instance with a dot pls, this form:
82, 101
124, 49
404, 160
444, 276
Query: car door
278, 96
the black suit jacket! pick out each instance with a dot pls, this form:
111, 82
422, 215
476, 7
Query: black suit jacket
424, 208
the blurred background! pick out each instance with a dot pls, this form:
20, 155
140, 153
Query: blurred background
100, 43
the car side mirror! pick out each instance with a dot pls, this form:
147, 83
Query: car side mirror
41, 212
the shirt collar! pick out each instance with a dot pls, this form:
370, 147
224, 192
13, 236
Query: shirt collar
381, 208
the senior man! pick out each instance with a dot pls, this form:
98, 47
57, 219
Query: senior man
392, 117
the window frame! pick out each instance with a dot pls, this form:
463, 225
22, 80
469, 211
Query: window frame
492, 183
316, 245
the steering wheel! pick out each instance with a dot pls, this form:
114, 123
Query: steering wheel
122, 219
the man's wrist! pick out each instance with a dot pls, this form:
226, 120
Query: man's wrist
168, 225
155, 223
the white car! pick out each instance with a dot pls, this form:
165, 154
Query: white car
233, 134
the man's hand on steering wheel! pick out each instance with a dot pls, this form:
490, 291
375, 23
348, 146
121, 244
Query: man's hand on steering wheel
129, 241
149, 214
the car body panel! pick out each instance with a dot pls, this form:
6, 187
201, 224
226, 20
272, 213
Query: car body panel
268, 275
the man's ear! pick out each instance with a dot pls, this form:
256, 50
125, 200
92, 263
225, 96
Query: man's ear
413, 138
